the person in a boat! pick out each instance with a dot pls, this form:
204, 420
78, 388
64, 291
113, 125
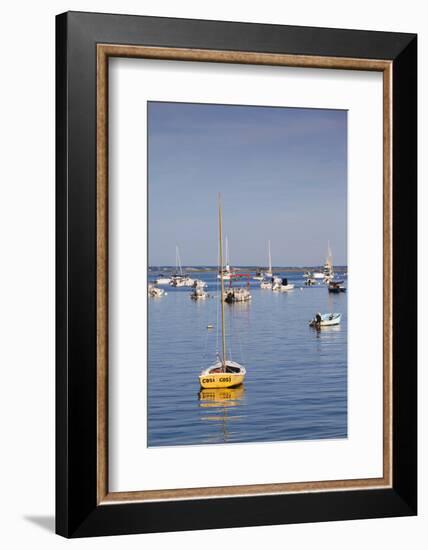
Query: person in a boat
284, 282
318, 318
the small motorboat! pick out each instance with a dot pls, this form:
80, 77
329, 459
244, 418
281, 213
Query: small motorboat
270, 283
310, 282
237, 294
325, 320
156, 292
233, 295
199, 293
336, 287
282, 285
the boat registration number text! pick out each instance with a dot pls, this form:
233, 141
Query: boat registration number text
209, 380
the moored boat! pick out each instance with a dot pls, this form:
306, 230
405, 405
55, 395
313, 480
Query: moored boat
282, 285
179, 278
163, 281
199, 294
328, 270
237, 294
227, 270
155, 292
233, 295
336, 287
225, 373
325, 320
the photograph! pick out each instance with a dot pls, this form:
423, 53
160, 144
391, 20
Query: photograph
247, 274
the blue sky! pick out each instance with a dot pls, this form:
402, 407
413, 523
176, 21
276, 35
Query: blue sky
282, 174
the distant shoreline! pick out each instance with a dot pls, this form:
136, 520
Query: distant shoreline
210, 269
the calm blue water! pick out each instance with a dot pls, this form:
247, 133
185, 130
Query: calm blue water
296, 382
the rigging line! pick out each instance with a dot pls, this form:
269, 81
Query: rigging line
206, 334
241, 348
231, 336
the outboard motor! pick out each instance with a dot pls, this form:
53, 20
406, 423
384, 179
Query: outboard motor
284, 282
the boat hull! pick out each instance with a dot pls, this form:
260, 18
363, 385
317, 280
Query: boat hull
283, 288
223, 380
209, 379
327, 320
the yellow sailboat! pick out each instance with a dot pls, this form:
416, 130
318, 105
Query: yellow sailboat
224, 373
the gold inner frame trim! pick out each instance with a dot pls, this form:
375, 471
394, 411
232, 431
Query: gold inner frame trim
104, 51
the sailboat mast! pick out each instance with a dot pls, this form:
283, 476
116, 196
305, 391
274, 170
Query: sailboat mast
178, 260
223, 333
270, 259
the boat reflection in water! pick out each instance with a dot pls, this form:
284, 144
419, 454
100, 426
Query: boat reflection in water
220, 405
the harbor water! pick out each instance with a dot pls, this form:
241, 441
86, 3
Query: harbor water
296, 382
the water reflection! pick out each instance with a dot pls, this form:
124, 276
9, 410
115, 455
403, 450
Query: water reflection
218, 401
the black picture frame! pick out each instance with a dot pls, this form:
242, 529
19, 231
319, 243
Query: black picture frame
77, 511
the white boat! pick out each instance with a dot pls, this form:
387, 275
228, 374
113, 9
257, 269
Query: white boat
317, 275
282, 288
233, 295
328, 272
180, 279
163, 281
227, 270
282, 285
225, 373
270, 283
155, 292
199, 294
325, 320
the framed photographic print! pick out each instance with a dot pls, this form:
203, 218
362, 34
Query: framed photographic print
236, 267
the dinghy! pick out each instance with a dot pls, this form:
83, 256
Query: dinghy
225, 373
325, 320
282, 286
336, 287
155, 292
199, 294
